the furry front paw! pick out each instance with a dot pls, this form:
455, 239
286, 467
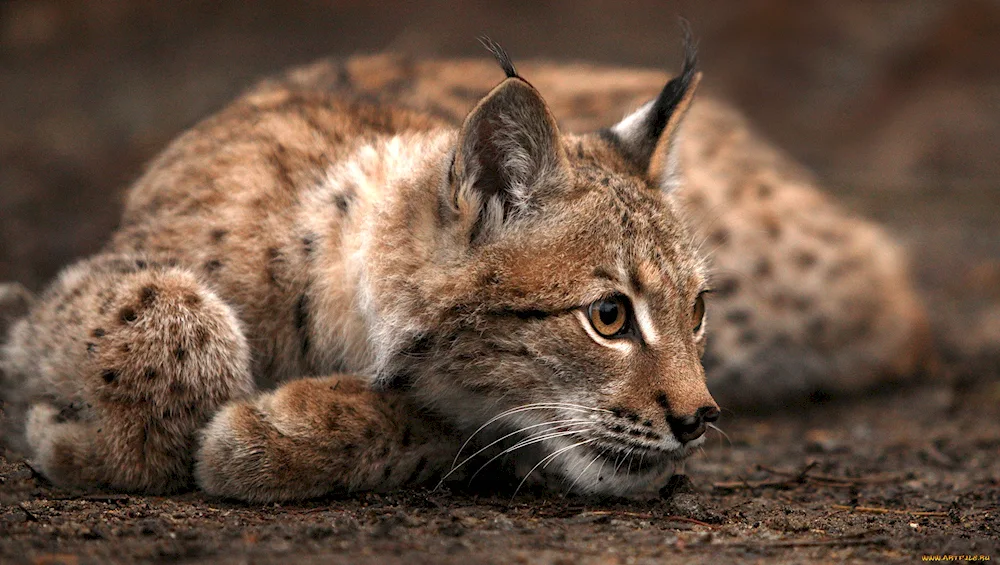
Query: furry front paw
266, 449
230, 461
316, 436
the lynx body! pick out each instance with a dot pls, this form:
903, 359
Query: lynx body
363, 272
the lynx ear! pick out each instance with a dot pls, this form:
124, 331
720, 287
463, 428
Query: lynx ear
508, 154
648, 136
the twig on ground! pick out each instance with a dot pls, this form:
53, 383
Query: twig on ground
838, 542
307, 511
27, 513
873, 479
873, 510
671, 517
744, 484
97, 497
617, 513
691, 521
796, 479
802, 476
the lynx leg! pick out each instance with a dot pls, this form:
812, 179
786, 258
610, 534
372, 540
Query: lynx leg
118, 365
316, 436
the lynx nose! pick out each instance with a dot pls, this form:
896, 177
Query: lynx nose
693, 427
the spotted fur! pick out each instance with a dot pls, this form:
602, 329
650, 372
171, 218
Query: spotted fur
364, 271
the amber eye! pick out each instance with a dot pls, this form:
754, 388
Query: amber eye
699, 312
609, 316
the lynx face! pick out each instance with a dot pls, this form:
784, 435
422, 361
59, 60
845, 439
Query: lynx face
570, 297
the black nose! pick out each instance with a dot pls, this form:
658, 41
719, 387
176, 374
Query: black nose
693, 427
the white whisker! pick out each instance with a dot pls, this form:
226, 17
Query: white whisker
525, 408
525, 443
547, 459
624, 457
580, 476
722, 433
556, 423
603, 461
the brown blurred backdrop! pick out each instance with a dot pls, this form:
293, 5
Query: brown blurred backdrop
896, 104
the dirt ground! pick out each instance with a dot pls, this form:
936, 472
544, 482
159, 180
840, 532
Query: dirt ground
891, 477
895, 104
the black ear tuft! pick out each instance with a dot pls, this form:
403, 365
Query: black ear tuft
675, 90
647, 137
500, 55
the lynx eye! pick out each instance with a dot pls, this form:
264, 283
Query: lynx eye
699, 312
609, 316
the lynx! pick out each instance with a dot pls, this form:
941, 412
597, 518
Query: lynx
350, 280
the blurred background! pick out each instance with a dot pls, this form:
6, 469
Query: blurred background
895, 104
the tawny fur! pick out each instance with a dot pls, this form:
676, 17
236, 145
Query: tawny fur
335, 221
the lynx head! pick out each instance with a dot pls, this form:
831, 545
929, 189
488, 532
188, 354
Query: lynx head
565, 297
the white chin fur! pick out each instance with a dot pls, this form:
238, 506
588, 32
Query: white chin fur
586, 473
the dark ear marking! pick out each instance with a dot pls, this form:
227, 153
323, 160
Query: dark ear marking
501, 56
647, 137
675, 90
507, 155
